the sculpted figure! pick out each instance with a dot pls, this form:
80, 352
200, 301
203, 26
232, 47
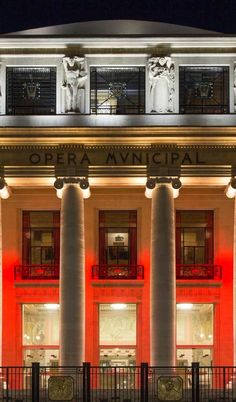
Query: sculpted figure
235, 88
162, 84
74, 82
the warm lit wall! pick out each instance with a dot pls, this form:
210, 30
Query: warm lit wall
221, 294
117, 291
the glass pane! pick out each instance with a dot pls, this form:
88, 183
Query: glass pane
117, 324
204, 89
46, 357
31, 90
36, 255
116, 357
117, 90
194, 324
185, 357
40, 324
194, 218
118, 219
41, 219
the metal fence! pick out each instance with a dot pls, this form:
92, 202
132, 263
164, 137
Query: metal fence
118, 384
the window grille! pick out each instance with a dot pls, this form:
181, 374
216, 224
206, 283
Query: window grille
116, 90
204, 89
31, 90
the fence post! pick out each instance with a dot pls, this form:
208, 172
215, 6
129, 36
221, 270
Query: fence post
35, 382
144, 382
195, 382
86, 382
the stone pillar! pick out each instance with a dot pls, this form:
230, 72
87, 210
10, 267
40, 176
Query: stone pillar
72, 278
163, 279
1, 271
234, 285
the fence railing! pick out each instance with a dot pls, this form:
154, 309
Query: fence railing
117, 271
31, 272
118, 384
198, 271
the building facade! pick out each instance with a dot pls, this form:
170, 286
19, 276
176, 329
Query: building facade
117, 278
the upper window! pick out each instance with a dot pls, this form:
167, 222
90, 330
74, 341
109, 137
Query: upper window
117, 237
194, 237
204, 89
117, 90
31, 90
41, 237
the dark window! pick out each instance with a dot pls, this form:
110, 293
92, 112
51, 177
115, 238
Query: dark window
118, 237
41, 237
194, 237
117, 90
31, 90
204, 89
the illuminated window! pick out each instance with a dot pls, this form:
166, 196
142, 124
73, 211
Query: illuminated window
41, 237
195, 332
117, 334
194, 237
31, 90
118, 237
204, 89
117, 90
40, 333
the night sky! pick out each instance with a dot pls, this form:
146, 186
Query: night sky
213, 15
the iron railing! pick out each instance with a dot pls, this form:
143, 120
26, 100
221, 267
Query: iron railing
23, 272
123, 384
117, 271
198, 271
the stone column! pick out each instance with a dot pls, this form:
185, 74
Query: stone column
1, 271
72, 278
163, 279
234, 285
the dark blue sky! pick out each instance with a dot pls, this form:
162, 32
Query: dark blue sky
217, 15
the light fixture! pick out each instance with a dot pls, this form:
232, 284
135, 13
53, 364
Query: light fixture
184, 306
59, 184
4, 189
51, 306
118, 306
84, 185
231, 188
176, 186
150, 185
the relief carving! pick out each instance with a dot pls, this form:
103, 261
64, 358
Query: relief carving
161, 84
75, 76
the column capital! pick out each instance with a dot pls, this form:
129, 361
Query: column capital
153, 182
83, 183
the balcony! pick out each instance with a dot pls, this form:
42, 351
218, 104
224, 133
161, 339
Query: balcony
198, 271
32, 272
113, 271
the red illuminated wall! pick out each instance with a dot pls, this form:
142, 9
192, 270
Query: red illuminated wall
218, 292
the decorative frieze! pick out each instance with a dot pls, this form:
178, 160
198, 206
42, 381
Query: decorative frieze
75, 76
161, 84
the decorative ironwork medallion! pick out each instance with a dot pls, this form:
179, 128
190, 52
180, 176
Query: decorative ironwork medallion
170, 388
117, 89
61, 388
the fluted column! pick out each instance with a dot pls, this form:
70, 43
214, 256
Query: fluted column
72, 286
163, 280
234, 285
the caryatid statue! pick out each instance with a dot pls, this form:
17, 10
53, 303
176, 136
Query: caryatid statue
161, 84
0, 90
75, 77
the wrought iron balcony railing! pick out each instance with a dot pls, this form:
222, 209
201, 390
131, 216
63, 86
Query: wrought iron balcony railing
198, 271
31, 272
113, 271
